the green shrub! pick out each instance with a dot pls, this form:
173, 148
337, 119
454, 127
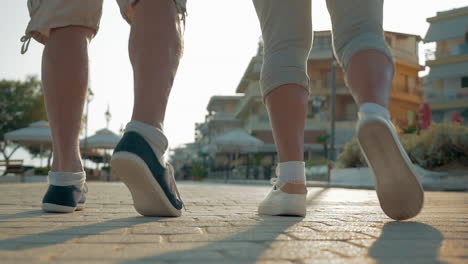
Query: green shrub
316, 162
198, 171
351, 156
41, 171
410, 129
440, 145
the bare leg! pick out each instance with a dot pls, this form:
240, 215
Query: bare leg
369, 76
65, 80
287, 108
287, 35
155, 48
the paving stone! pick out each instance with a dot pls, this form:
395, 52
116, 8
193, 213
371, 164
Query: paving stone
119, 239
164, 230
247, 236
222, 225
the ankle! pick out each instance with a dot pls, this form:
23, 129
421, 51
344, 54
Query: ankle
67, 166
291, 172
149, 122
294, 188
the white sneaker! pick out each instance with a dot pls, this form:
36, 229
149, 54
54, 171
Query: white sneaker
400, 194
278, 202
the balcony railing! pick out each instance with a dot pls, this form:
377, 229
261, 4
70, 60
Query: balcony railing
449, 98
405, 54
323, 87
457, 50
221, 116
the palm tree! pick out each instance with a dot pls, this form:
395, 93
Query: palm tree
323, 139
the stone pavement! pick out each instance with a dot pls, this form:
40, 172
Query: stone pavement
221, 226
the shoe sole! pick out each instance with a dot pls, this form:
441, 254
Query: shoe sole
56, 208
149, 198
400, 194
286, 205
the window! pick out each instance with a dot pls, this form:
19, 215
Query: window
316, 105
322, 42
464, 82
439, 85
411, 84
410, 115
310, 111
263, 117
406, 85
389, 41
351, 111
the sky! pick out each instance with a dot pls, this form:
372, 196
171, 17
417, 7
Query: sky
221, 36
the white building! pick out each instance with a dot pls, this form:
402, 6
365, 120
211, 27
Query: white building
446, 85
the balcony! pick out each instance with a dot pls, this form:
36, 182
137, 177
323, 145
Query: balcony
325, 124
455, 96
405, 55
323, 88
463, 48
457, 50
221, 116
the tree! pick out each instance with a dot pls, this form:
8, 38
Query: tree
21, 103
323, 139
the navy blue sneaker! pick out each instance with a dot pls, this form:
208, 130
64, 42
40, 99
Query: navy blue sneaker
64, 199
151, 182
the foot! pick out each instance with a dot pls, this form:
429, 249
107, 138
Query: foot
400, 194
288, 199
150, 181
64, 199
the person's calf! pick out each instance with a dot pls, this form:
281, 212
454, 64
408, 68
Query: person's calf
287, 109
369, 76
155, 48
65, 82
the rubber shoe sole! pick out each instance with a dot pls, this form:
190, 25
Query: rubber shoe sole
56, 208
149, 198
400, 194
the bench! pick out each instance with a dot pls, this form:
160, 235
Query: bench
14, 167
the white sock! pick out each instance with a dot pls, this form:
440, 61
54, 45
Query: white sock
153, 135
66, 178
374, 108
291, 171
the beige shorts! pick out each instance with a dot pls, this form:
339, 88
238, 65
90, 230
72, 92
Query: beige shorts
48, 14
287, 35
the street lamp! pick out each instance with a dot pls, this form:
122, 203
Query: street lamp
89, 98
108, 116
331, 153
333, 110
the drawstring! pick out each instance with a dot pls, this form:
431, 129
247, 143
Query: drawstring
184, 15
182, 11
25, 39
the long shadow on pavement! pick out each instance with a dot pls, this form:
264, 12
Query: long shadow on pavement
244, 247
59, 236
31, 213
406, 241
